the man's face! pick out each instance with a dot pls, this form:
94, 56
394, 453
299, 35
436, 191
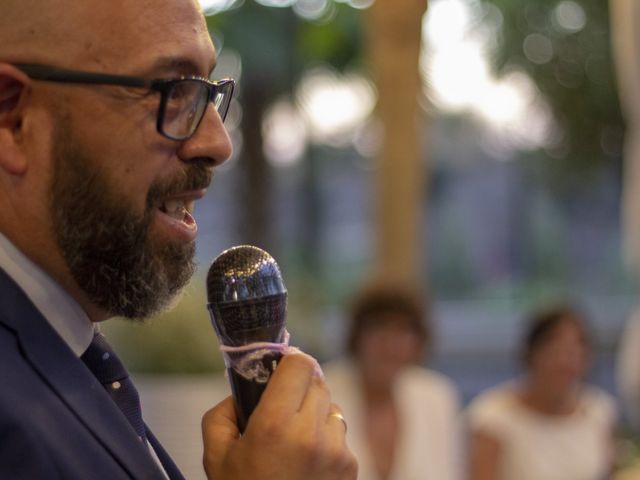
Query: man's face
122, 195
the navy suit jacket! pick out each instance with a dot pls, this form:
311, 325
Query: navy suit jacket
56, 420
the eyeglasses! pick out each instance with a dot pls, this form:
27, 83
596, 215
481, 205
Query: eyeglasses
183, 101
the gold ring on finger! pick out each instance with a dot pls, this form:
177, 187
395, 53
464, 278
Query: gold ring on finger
340, 417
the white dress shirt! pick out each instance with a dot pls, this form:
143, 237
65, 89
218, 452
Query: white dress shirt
64, 314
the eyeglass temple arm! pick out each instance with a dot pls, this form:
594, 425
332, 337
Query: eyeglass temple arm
52, 74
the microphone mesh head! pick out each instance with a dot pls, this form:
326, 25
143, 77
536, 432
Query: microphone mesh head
247, 297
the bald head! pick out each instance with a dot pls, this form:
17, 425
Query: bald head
39, 29
91, 33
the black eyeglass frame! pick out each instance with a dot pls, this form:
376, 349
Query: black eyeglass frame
163, 86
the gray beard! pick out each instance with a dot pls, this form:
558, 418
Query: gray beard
107, 248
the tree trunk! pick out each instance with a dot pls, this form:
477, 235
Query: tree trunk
394, 38
254, 221
625, 31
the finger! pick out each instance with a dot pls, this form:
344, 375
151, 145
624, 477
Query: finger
316, 404
219, 433
336, 436
288, 386
337, 425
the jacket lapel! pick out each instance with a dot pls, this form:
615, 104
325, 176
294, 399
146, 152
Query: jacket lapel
167, 463
67, 376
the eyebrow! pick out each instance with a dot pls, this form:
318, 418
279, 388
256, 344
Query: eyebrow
182, 65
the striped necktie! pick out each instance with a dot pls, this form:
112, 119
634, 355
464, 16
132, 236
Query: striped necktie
110, 372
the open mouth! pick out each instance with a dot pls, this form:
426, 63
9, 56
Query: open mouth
178, 209
176, 214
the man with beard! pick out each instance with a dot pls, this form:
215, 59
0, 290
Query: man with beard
109, 133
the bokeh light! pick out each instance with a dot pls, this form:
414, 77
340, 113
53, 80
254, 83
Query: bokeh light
276, 3
359, 4
457, 75
569, 16
313, 9
329, 108
284, 134
538, 48
455, 67
333, 105
212, 7
446, 23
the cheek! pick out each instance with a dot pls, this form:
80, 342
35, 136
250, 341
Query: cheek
132, 158
574, 361
370, 348
567, 364
41, 140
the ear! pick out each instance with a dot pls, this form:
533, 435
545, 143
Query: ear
13, 88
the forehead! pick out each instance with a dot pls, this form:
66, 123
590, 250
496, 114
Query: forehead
565, 329
129, 36
568, 328
391, 320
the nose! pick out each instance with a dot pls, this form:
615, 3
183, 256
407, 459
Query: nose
210, 142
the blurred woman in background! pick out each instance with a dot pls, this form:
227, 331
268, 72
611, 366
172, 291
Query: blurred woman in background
548, 425
403, 418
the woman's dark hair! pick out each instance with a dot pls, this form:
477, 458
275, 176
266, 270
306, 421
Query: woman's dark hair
376, 299
542, 324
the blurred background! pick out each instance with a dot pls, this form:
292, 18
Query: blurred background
475, 146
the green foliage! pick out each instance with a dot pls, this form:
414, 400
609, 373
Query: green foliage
264, 39
180, 341
338, 42
577, 78
276, 45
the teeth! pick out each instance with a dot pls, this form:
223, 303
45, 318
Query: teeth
174, 208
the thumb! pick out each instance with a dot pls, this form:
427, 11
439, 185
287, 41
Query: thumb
219, 434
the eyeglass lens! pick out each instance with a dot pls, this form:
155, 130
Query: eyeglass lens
185, 105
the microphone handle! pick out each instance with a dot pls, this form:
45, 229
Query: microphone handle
246, 392
248, 375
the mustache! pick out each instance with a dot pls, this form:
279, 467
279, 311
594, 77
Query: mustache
196, 176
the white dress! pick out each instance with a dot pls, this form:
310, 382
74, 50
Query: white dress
429, 417
534, 446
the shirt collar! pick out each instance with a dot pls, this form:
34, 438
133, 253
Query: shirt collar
64, 314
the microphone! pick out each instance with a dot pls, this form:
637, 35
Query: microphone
247, 304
